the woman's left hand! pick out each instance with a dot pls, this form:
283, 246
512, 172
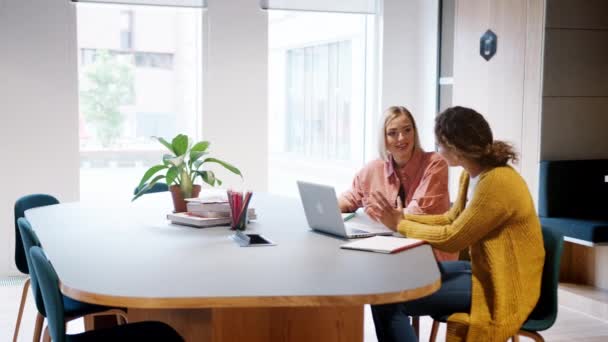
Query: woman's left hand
381, 210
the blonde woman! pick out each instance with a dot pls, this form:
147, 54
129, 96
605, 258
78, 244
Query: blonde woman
413, 181
489, 298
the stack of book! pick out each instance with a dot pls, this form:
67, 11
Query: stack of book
216, 210
207, 212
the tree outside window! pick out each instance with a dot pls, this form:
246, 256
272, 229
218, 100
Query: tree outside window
108, 84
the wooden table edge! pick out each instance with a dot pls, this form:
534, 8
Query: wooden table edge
266, 301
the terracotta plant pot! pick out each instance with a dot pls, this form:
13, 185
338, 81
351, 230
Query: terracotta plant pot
178, 200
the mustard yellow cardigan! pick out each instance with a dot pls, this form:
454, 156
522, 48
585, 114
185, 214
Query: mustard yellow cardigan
501, 227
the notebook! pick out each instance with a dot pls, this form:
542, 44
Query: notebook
383, 244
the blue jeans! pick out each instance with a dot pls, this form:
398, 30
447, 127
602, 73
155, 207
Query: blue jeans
392, 321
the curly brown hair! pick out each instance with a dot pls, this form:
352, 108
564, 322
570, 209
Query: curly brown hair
469, 134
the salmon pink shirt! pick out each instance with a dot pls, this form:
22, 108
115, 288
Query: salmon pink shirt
425, 181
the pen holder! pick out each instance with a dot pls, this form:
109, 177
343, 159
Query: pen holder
239, 202
240, 222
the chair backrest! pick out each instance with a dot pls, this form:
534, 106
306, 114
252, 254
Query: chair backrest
24, 203
30, 239
51, 295
157, 187
546, 308
573, 189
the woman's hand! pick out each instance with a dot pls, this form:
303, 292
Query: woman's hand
381, 210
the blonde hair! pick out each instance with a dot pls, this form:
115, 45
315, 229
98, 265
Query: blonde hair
390, 114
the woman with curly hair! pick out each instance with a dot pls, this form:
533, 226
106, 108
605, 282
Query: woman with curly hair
489, 298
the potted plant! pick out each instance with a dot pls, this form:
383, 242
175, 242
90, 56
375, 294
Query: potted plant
181, 168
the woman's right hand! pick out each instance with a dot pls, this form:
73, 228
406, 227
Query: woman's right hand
381, 210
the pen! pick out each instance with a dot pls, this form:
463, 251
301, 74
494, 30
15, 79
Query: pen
347, 216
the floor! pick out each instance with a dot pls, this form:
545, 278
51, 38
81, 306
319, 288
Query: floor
572, 324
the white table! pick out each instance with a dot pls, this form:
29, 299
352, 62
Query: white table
210, 289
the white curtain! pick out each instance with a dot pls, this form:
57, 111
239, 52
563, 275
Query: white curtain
172, 3
339, 6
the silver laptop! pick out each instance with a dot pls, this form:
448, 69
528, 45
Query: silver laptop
322, 213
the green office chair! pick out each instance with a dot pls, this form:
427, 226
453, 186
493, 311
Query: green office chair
545, 312
73, 309
53, 302
21, 205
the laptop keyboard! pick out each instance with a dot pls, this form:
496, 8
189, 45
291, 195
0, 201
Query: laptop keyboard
357, 228
358, 231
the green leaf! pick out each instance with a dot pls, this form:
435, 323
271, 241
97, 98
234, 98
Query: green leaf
148, 186
166, 143
228, 166
177, 161
208, 177
167, 159
198, 164
200, 146
151, 171
180, 144
197, 151
172, 175
195, 155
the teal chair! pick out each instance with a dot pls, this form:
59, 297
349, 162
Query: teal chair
73, 309
21, 205
53, 302
545, 312
157, 187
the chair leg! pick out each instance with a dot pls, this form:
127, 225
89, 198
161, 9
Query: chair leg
121, 319
89, 320
38, 327
46, 337
532, 334
26, 285
121, 315
416, 326
434, 330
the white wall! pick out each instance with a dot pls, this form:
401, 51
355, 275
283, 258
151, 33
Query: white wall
409, 61
235, 104
38, 108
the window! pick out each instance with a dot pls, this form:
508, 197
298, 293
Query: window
141, 59
139, 76
313, 72
154, 60
446, 75
318, 97
126, 30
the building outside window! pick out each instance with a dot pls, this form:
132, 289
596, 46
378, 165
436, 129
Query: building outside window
319, 101
126, 30
139, 76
